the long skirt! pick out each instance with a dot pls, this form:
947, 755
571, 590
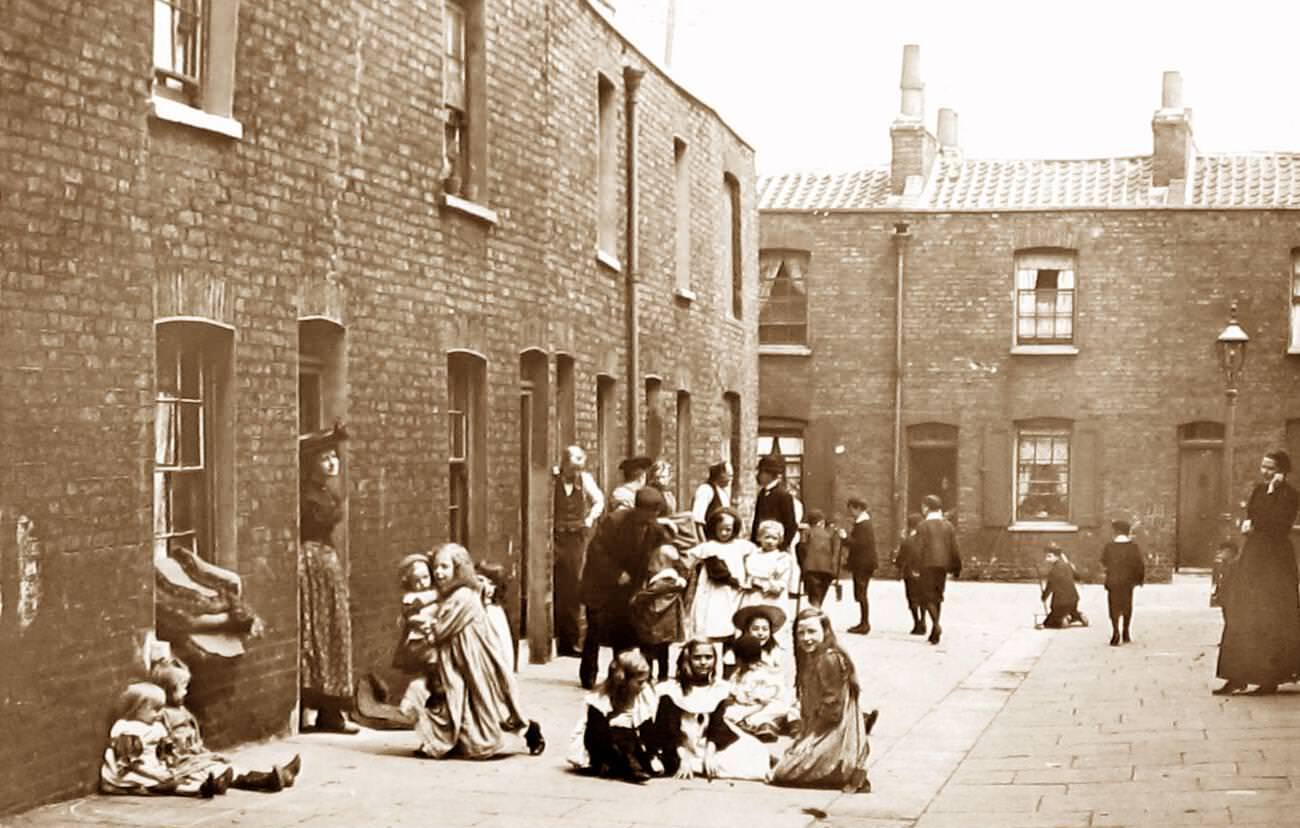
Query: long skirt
829, 759
326, 626
1261, 615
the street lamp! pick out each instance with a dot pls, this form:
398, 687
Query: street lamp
1232, 358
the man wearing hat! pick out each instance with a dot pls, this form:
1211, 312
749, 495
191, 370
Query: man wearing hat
616, 567
712, 495
774, 501
634, 470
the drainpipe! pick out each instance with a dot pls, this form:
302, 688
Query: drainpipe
632, 84
902, 234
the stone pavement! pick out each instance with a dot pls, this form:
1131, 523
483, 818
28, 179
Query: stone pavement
1000, 726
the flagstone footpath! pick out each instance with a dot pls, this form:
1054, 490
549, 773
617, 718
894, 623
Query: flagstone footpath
999, 726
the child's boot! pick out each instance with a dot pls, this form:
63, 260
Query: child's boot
1125, 637
209, 787
918, 621
534, 739
1114, 635
292, 768
270, 781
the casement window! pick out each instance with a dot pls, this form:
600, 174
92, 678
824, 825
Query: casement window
1294, 346
682, 217
733, 258
788, 443
194, 63
466, 448
192, 441
1044, 298
783, 298
464, 93
607, 169
1041, 474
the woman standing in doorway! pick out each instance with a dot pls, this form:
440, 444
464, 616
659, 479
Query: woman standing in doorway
1261, 619
325, 650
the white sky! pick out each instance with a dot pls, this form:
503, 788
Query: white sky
813, 85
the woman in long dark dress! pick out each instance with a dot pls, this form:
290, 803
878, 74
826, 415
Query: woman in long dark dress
326, 626
1261, 610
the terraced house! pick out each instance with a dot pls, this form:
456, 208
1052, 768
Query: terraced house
1032, 340
475, 231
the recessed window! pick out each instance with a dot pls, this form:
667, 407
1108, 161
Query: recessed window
1045, 288
783, 298
466, 489
607, 167
733, 255
191, 439
1043, 472
194, 63
606, 435
731, 441
683, 446
654, 418
464, 93
682, 217
180, 35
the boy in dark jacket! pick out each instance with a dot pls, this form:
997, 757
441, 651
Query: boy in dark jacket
908, 564
816, 556
1061, 589
1125, 569
861, 543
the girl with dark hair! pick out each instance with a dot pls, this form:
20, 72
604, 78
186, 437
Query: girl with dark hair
719, 566
479, 702
831, 750
612, 738
1261, 619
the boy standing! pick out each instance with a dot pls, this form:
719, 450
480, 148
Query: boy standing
905, 560
937, 557
861, 540
816, 558
1125, 569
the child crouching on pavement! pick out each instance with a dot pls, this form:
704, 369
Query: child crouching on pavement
1061, 589
188, 757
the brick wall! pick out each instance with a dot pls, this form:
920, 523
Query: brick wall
1153, 293
327, 207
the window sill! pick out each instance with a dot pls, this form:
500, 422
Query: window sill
609, 260
1294, 350
165, 109
784, 350
470, 208
1044, 526
1045, 350
685, 295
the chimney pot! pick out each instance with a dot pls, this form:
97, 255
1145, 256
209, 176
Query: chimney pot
1171, 91
947, 128
913, 100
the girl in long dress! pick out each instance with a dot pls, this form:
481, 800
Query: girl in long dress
1261, 619
480, 701
719, 573
831, 750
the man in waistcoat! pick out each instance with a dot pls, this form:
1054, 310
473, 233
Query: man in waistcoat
711, 496
578, 503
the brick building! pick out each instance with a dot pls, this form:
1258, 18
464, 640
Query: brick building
1032, 340
475, 231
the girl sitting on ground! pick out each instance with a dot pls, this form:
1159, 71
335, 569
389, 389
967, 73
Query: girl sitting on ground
759, 703
481, 699
187, 756
134, 762
613, 737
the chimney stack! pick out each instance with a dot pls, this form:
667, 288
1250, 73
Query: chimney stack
913, 145
947, 129
1174, 151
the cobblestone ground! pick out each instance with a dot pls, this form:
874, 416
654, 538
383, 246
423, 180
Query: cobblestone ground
999, 726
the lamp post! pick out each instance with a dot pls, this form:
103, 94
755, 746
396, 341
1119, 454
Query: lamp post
1232, 358
1232, 344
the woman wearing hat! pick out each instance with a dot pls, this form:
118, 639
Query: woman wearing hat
1261, 622
325, 652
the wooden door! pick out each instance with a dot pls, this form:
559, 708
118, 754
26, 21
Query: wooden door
1200, 503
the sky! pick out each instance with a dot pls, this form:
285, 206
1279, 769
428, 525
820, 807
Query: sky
813, 85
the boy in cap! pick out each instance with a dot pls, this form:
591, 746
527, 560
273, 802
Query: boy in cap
634, 470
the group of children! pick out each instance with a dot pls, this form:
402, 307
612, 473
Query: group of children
155, 746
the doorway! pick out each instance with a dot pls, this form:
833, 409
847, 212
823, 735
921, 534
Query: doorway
1200, 492
932, 466
534, 499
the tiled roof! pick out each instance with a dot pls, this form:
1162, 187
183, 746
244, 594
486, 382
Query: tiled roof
1262, 181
